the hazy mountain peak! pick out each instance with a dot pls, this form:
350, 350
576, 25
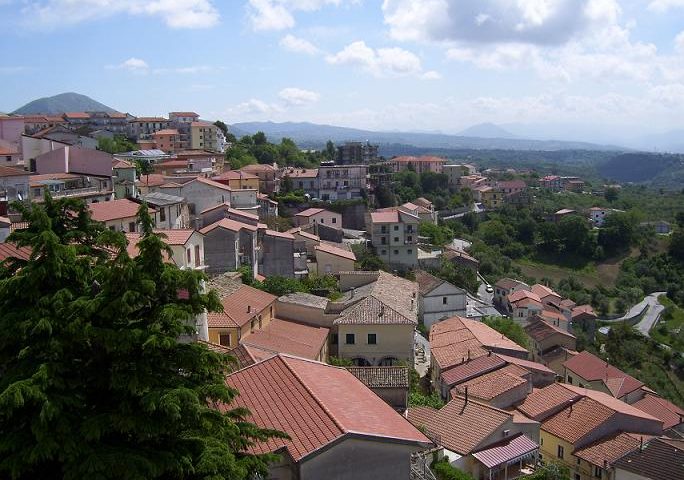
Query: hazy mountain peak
486, 130
63, 102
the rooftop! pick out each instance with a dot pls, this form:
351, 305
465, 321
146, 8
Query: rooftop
337, 251
228, 224
323, 403
240, 306
306, 299
508, 283
609, 449
310, 211
592, 368
382, 377
114, 210
539, 330
662, 409
490, 385
660, 458
577, 420
10, 250
282, 336
427, 282
162, 199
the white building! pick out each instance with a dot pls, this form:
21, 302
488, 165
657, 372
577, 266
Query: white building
438, 299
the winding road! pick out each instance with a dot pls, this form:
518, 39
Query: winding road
651, 308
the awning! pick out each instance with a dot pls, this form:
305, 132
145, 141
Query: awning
506, 452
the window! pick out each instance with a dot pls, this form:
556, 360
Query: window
253, 325
396, 228
224, 339
577, 476
334, 220
188, 256
372, 339
409, 238
197, 256
383, 252
597, 471
383, 240
334, 339
560, 451
396, 239
349, 339
579, 461
131, 227
409, 251
569, 379
445, 301
396, 252
322, 220
162, 214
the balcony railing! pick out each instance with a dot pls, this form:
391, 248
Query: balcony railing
74, 192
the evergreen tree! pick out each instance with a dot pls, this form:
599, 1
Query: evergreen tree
94, 382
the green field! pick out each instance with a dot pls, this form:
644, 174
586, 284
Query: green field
670, 328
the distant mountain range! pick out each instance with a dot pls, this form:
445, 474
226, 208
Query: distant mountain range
485, 136
64, 102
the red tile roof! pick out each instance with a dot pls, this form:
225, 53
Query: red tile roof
310, 211
385, 217
661, 458
523, 294
490, 385
10, 250
114, 209
574, 422
471, 369
609, 449
240, 307
382, 377
668, 412
508, 283
273, 233
282, 336
314, 404
548, 400
337, 251
592, 368
152, 180
526, 364
11, 171
543, 291
234, 175
583, 309
423, 159
459, 426
539, 330
212, 183
228, 224
81, 115
371, 311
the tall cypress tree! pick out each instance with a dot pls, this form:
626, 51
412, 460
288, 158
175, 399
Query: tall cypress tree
93, 380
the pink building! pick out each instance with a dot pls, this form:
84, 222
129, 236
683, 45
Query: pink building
11, 129
419, 164
321, 216
75, 160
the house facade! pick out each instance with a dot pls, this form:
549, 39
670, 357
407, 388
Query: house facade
394, 236
438, 299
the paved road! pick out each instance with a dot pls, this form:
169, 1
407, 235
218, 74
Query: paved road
651, 308
422, 362
482, 294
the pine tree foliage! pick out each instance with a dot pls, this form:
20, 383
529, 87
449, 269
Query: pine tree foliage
93, 380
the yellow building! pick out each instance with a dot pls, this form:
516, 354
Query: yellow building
204, 136
238, 180
586, 430
245, 310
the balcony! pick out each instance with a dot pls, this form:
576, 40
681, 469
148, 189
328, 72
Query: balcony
77, 192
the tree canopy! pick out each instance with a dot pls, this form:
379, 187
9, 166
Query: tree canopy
95, 382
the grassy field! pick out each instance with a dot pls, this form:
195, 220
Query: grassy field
670, 328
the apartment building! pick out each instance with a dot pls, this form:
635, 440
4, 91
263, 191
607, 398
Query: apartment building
394, 236
342, 182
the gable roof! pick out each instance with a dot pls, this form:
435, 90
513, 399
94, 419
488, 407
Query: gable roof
309, 212
574, 422
282, 336
152, 180
660, 458
240, 306
539, 330
11, 171
314, 404
114, 209
519, 295
337, 251
427, 282
592, 368
382, 377
543, 291
671, 414
546, 401
609, 449
461, 426
10, 250
235, 175
490, 385
472, 369
371, 311
228, 224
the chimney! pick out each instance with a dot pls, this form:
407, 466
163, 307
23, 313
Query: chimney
382, 310
353, 290
466, 396
641, 444
249, 309
468, 354
489, 353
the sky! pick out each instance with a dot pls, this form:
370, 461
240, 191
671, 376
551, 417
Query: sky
579, 68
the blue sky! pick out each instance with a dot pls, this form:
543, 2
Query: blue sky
614, 67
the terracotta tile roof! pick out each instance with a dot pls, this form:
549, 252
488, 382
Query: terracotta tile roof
236, 305
371, 311
427, 282
523, 295
566, 302
114, 209
259, 167
228, 224
234, 175
166, 131
7, 148
526, 364
176, 236
81, 115
122, 164
543, 291
423, 202
149, 119
459, 426
10, 250
613, 403
592, 368
456, 339
299, 231
583, 309
385, 217
471, 369
243, 356
450, 254
382, 377
506, 451
11, 171
664, 410
337, 251
184, 114
314, 404
660, 459
490, 385
282, 336
310, 211
152, 180
609, 449
546, 401
539, 330
574, 422
552, 315
273, 233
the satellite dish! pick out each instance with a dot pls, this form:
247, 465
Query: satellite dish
20, 197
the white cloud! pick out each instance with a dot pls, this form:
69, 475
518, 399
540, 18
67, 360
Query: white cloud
254, 108
542, 22
381, 62
174, 13
298, 97
665, 5
133, 64
298, 45
279, 14
679, 42
431, 75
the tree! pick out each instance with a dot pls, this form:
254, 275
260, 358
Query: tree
330, 151
95, 383
222, 126
116, 144
438, 234
508, 328
611, 194
676, 248
617, 232
259, 138
574, 233
552, 471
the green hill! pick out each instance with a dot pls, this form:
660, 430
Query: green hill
64, 102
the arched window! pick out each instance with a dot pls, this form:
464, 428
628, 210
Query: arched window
361, 362
388, 361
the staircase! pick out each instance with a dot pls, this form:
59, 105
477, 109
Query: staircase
420, 468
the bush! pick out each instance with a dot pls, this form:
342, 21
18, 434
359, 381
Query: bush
444, 471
